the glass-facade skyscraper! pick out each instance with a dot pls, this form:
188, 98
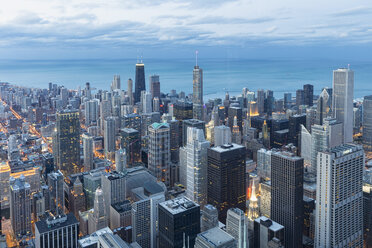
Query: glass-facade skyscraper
140, 84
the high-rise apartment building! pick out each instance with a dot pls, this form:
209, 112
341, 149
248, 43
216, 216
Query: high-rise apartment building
367, 123
342, 100
159, 151
209, 217
91, 112
300, 97
197, 163
88, 152
146, 102
155, 86
131, 142
109, 136
66, 142
190, 123
130, 91
20, 206
339, 200
261, 101
226, 178
287, 195
308, 94
197, 93
140, 84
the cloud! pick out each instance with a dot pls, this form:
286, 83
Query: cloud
155, 23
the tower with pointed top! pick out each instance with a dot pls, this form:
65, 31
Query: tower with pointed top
197, 96
253, 210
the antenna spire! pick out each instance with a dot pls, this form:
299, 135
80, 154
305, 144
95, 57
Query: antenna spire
196, 57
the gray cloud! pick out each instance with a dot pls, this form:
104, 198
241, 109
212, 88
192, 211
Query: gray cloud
362, 10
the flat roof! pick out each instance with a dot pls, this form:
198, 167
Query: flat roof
178, 205
227, 147
216, 236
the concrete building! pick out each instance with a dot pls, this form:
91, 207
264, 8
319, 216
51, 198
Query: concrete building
343, 96
98, 218
266, 230
237, 226
88, 152
339, 204
222, 135
197, 163
159, 151
20, 207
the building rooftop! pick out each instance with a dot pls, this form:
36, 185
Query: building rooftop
344, 149
216, 237
178, 205
227, 147
272, 225
53, 223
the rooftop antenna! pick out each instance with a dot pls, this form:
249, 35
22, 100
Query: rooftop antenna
196, 57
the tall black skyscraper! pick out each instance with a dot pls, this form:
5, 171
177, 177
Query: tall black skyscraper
287, 172
226, 178
295, 122
235, 111
299, 98
179, 223
308, 94
140, 84
66, 142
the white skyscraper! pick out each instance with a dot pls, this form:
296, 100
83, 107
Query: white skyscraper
339, 197
88, 152
121, 160
159, 151
323, 137
115, 85
146, 101
342, 105
222, 135
91, 112
264, 163
97, 219
236, 226
196, 171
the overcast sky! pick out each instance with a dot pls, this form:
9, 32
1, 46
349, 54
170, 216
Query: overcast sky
125, 28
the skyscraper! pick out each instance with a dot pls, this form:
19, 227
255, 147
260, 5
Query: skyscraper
299, 97
98, 219
159, 151
140, 84
236, 226
226, 178
367, 123
131, 142
323, 106
66, 142
20, 206
215, 238
222, 135
179, 223
113, 188
146, 102
57, 199
323, 137
88, 152
209, 218
235, 111
91, 112
115, 85
308, 94
287, 195
190, 123
109, 136
197, 163
130, 91
57, 231
339, 200
265, 230
342, 100
121, 160
260, 101
197, 93
155, 86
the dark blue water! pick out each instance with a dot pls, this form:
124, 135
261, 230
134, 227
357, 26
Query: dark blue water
220, 75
